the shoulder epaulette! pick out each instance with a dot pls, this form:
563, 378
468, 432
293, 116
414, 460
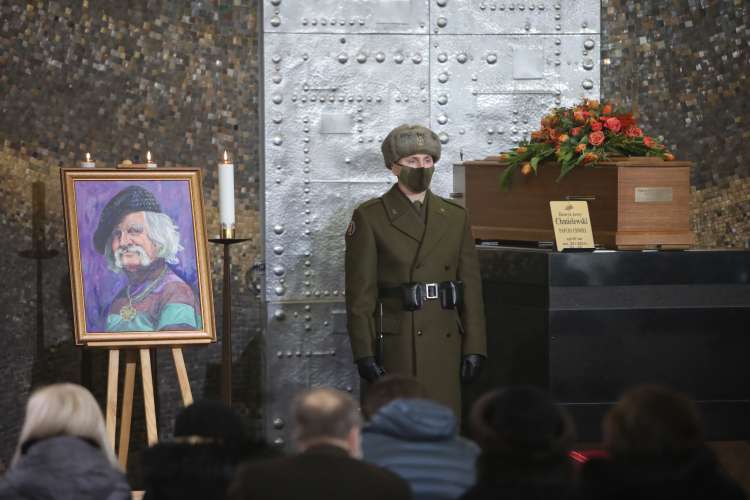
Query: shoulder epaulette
369, 203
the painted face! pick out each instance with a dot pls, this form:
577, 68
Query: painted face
131, 238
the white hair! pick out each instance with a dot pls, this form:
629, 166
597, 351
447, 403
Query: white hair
65, 410
163, 234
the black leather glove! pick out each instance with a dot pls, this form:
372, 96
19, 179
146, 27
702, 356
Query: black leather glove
471, 368
368, 369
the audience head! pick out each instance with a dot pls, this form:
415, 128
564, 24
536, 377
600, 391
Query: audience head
391, 387
525, 438
651, 422
326, 416
209, 421
64, 410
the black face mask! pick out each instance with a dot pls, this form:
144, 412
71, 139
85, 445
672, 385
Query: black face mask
416, 179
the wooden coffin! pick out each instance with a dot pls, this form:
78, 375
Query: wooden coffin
634, 203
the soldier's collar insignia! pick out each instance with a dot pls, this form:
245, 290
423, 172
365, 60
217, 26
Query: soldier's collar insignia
351, 229
420, 141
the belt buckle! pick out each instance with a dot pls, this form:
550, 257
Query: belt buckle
431, 287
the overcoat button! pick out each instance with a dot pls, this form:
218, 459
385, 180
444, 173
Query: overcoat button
447, 266
448, 334
419, 333
417, 266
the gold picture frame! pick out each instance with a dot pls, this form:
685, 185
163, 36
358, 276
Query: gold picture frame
139, 276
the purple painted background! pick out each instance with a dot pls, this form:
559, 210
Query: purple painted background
100, 285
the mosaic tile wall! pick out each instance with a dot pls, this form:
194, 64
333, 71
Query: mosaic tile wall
180, 79
683, 66
118, 79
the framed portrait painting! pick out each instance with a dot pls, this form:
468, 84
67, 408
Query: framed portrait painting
137, 252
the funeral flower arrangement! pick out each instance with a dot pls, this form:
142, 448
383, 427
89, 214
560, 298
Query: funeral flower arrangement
581, 135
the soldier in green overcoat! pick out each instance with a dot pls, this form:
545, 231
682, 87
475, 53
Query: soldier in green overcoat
411, 254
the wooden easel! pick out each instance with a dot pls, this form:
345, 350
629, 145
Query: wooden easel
131, 357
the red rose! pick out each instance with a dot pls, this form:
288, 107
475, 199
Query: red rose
596, 126
554, 134
576, 130
613, 124
596, 138
579, 117
648, 142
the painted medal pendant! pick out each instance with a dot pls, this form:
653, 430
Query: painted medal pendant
127, 313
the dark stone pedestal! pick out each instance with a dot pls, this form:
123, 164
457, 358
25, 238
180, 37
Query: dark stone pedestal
587, 326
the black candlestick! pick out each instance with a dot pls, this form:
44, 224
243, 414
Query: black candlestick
226, 336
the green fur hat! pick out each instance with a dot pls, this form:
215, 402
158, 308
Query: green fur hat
408, 140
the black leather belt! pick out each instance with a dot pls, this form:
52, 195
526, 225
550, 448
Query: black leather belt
414, 294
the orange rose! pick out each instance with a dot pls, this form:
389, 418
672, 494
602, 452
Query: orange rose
561, 139
580, 148
554, 134
669, 156
590, 157
535, 135
607, 110
544, 134
579, 116
593, 104
576, 130
504, 156
596, 138
521, 150
558, 152
526, 170
596, 126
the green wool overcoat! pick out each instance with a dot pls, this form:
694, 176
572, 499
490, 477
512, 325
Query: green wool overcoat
387, 244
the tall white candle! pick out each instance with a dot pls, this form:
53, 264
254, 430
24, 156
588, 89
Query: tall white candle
226, 198
88, 163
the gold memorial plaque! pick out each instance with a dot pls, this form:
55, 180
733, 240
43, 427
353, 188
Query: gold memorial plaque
653, 194
572, 224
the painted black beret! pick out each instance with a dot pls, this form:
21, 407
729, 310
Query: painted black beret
130, 200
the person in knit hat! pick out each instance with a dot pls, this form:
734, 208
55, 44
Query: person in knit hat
526, 439
413, 292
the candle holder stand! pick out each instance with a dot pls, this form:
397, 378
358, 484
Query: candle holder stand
226, 330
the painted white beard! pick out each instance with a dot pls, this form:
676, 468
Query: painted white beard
145, 261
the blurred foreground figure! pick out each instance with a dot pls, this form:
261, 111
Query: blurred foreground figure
417, 439
199, 463
655, 438
525, 440
326, 433
63, 452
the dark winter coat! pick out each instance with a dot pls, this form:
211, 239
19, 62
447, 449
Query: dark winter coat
183, 471
63, 468
322, 472
518, 492
695, 477
418, 440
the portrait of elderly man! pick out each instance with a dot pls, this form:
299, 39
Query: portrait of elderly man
141, 242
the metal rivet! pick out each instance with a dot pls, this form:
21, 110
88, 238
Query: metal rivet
588, 64
276, 58
442, 3
280, 354
380, 57
416, 58
280, 290
558, 41
589, 44
588, 84
491, 58
442, 22
279, 270
585, 25
419, 333
361, 58
442, 99
275, 21
277, 98
442, 119
278, 423
336, 293
443, 77
278, 228
398, 57
278, 249
443, 138
343, 57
